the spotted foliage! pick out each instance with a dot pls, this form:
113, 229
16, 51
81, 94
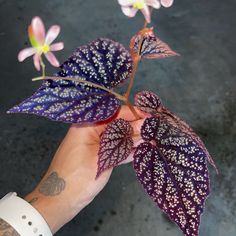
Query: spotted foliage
103, 62
69, 102
172, 168
150, 47
116, 145
149, 102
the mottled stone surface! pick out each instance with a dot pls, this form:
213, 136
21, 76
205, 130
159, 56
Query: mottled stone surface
200, 87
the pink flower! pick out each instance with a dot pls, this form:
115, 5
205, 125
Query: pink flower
130, 7
41, 44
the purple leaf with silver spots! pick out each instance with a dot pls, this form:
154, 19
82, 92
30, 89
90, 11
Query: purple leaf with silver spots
172, 168
69, 102
151, 47
103, 62
149, 102
116, 145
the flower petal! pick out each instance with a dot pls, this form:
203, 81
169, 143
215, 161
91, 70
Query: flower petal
52, 34
38, 29
52, 59
37, 61
153, 3
167, 3
57, 46
147, 14
129, 11
27, 52
126, 3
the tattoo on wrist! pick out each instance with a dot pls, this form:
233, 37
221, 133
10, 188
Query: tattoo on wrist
6, 229
33, 200
53, 185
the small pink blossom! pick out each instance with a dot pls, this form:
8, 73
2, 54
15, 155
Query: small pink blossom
131, 7
41, 43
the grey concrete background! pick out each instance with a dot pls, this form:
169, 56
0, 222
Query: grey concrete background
200, 87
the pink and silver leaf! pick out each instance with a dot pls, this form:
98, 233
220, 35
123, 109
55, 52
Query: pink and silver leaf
116, 145
149, 102
172, 168
151, 47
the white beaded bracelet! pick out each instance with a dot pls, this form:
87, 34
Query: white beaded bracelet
22, 216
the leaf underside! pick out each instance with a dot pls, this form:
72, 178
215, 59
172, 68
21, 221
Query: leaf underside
151, 46
103, 62
116, 145
172, 168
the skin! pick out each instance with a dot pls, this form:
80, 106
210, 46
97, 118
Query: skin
69, 184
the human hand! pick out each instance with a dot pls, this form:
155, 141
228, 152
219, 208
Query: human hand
69, 184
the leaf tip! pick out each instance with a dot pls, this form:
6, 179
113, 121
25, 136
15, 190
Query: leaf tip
11, 110
97, 174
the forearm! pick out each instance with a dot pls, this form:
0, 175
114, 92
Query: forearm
59, 197
51, 201
51, 209
69, 184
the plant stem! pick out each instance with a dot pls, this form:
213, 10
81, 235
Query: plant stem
145, 24
135, 64
131, 107
43, 66
132, 77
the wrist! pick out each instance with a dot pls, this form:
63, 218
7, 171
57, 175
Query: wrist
57, 199
56, 210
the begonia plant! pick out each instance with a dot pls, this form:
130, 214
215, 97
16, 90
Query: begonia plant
170, 161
